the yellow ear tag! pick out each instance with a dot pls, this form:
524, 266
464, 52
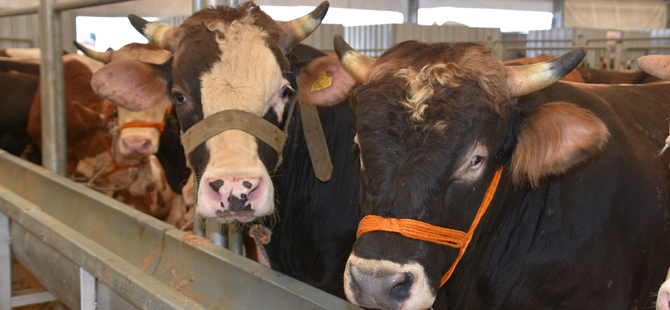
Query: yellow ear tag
323, 82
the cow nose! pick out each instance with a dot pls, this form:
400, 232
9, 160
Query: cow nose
140, 146
380, 290
238, 194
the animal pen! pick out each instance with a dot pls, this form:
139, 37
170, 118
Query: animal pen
93, 252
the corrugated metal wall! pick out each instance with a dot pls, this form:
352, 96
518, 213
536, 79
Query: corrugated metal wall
373, 40
579, 36
27, 27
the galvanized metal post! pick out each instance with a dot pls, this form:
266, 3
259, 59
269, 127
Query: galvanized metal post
219, 235
87, 290
413, 12
557, 20
54, 154
198, 5
5, 265
235, 239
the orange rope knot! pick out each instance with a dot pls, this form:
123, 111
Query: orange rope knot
427, 232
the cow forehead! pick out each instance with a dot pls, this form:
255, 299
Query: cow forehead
143, 52
246, 76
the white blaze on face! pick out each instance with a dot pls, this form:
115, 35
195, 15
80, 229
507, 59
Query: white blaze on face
141, 141
663, 298
247, 77
370, 288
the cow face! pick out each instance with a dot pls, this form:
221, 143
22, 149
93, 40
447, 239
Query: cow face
231, 59
434, 123
139, 117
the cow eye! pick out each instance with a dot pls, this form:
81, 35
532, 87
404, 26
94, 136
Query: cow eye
286, 91
179, 97
476, 161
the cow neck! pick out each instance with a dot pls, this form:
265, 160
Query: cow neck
423, 231
142, 124
267, 132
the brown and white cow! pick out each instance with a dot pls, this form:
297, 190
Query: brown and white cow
137, 180
493, 187
240, 59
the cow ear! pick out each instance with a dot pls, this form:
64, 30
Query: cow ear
556, 137
130, 84
324, 82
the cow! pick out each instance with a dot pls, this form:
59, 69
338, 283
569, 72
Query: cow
18, 90
240, 59
93, 156
493, 187
609, 76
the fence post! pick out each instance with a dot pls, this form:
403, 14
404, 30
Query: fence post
87, 290
52, 90
5, 265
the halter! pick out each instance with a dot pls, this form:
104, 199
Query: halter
116, 166
423, 231
141, 124
267, 132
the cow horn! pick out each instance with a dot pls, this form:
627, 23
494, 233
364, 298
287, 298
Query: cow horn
356, 63
105, 57
298, 29
159, 34
523, 80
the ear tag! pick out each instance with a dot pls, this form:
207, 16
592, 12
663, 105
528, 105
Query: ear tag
323, 82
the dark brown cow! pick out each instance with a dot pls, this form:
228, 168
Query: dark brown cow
18, 90
492, 187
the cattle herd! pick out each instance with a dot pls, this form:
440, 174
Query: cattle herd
457, 181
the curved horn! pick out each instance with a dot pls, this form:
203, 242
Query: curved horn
105, 57
298, 29
523, 80
357, 64
159, 34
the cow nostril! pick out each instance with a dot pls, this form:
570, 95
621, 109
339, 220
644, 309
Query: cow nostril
216, 185
401, 290
246, 184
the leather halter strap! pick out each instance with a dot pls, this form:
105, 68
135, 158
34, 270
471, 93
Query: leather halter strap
267, 132
423, 231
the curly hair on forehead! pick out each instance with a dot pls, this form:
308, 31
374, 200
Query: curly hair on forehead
248, 13
474, 67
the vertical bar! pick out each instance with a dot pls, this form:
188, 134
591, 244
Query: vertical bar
413, 12
198, 226
235, 239
87, 289
52, 93
220, 235
5, 265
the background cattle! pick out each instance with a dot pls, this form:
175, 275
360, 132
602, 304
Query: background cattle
253, 66
575, 218
94, 152
18, 90
663, 298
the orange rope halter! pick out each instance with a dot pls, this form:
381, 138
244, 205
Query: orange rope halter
159, 126
427, 232
117, 167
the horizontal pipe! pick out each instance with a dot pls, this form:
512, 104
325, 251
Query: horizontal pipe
131, 283
31, 41
524, 48
521, 41
64, 6
626, 39
648, 47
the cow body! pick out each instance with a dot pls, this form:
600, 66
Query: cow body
575, 218
19, 90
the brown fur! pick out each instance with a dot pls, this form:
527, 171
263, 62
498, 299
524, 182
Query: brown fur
558, 136
466, 62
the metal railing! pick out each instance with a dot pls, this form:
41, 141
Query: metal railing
88, 247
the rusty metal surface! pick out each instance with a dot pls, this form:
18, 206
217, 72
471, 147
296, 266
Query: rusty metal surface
210, 275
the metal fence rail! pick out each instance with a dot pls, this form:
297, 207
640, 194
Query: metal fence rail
51, 214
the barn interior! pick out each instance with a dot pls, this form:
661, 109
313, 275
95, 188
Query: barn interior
69, 241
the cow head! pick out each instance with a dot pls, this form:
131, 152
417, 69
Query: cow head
231, 59
434, 123
141, 101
